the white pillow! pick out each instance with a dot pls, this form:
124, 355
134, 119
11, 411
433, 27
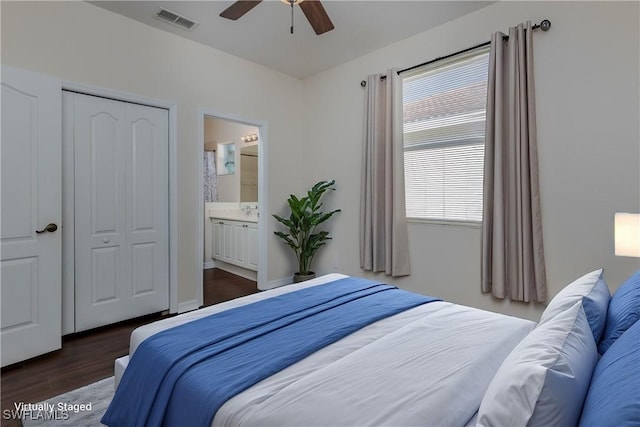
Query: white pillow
594, 293
543, 381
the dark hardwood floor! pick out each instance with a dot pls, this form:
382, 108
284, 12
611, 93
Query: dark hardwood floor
88, 357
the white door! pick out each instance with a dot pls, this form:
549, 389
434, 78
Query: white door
240, 240
31, 199
252, 246
227, 242
121, 211
218, 239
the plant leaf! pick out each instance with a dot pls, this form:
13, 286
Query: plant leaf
305, 215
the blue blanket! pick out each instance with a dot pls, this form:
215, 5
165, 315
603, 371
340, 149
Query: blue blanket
189, 371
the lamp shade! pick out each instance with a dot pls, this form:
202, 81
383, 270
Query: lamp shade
627, 232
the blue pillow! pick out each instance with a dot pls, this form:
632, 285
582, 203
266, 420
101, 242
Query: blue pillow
624, 311
613, 398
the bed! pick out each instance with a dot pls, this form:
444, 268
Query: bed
435, 363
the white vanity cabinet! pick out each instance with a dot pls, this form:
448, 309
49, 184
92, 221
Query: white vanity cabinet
222, 233
252, 246
235, 242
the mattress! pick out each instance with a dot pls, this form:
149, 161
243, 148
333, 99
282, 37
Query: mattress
429, 365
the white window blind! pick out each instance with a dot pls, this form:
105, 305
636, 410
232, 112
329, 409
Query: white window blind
444, 124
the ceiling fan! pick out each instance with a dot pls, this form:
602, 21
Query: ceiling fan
312, 9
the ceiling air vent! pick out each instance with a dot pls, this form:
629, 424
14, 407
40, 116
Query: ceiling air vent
175, 19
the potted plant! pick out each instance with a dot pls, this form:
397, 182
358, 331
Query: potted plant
305, 216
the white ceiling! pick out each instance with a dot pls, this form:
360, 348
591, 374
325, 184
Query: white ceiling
263, 36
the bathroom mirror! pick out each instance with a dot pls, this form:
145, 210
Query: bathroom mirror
249, 174
226, 158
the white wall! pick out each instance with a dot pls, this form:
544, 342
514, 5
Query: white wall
81, 43
587, 105
587, 94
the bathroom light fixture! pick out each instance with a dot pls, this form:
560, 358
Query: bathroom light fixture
250, 137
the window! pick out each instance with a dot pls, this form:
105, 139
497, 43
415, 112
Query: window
444, 124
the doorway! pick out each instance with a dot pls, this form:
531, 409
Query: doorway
233, 188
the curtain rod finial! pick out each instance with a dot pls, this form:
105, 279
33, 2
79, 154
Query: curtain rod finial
545, 25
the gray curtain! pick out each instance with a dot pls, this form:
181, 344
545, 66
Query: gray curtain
384, 244
512, 249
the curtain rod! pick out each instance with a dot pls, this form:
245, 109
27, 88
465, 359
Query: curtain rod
544, 25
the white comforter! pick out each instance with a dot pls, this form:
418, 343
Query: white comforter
428, 366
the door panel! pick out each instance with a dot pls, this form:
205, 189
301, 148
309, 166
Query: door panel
143, 256
19, 110
252, 246
106, 273
143, 185
148, 213
105, 134
217, 233
100, 220
240, 236
227, 245
31, 193
19, 279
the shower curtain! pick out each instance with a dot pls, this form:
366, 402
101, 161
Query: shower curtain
210, 177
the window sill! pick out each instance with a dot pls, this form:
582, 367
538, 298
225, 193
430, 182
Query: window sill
445, 222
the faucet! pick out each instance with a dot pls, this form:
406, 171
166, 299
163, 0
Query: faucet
247, 209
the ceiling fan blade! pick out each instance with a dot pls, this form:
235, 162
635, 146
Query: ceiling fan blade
239, 8
317, 16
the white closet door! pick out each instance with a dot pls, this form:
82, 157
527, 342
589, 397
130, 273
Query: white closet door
121, 211
147, 162
31, 199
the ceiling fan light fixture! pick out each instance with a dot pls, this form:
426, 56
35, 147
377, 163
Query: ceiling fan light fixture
312, 10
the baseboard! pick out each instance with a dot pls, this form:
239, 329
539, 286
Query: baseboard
276, 283
208, 265
238, 271
190, 305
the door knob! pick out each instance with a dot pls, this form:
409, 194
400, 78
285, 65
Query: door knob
50, 228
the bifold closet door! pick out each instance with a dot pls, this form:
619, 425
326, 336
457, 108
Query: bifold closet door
121, 210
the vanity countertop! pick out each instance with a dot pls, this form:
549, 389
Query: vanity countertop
233, 215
